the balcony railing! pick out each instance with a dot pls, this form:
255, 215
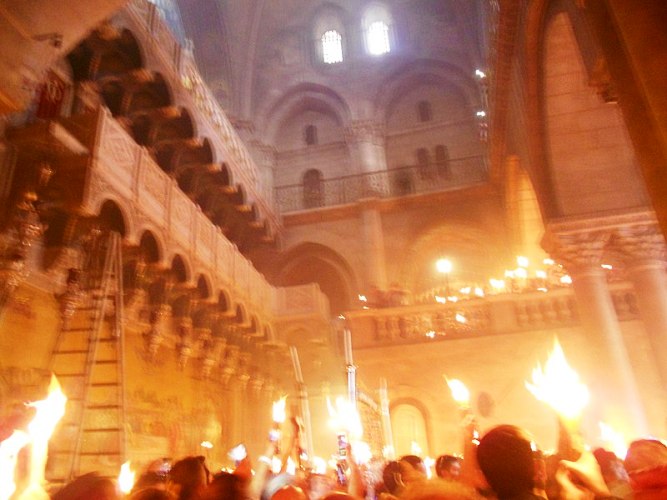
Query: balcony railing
405, 181
492, 315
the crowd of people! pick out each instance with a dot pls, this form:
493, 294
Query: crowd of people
505, 464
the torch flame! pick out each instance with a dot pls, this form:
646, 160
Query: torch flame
344, 417
9, 449
460, 392
279, 410
558, 386
126, 478
613, 440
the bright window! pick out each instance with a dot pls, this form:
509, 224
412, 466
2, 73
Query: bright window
377, 38
332, 47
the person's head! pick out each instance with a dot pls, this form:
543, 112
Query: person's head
187, 477
506, 457
90, 486
415, 462
152, 493
646, 464
448, 467
438, 489
289, 492
225, 486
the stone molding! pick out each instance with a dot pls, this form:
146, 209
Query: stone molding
365, 131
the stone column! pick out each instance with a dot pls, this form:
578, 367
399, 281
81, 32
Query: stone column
644, 248
615, 382
365, 140
373, 241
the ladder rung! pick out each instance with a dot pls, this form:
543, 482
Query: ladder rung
103, 429
75, 330
99, 453
108, 339
106, 362
104, 384
72, 351
60, 375
103, 407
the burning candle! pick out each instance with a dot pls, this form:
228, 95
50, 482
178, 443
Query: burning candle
126, 478
278, 416
613, 440
9, 450
49, 413
460, 392
558, 386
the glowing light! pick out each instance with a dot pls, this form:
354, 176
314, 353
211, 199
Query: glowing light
344, 418
126, 478
290, 468
465, 290
362, 298
340, 316
541, 274
522, 261
521, 273
461, 318
497, 285
319, 465
608, 267
430, 334
566, 280
453, 298
480, 74
49, 413
429, 463
276, 465
361, 451
542, 289
460, 392
388, 451
238, 453
613, 440
509, 273
415, 449
9, 449
558, 385
479, 292
548, 262
443, 266
440, 300
481, 114
279, 410
206, 444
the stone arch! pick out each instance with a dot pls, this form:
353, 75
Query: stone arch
420, 409
180, 269
153, 94
304, 98
224, 301
151, 247
240, 314
424, 72
316, 263
204, 287
112, 216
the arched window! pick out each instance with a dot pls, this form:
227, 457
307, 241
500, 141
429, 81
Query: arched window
424, 111
313, 190
422, 157
332, 47
442, 161
376, 24
310, 135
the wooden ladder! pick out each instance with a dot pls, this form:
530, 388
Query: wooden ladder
87, 359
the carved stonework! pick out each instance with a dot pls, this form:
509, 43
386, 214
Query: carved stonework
602, 82
579, 250
365, 131
641, 243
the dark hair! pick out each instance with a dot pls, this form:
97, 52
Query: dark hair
389, 474
416, 462
505, 456
443, 462
187, 473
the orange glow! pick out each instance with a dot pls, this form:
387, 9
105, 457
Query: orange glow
49, 413
558, 386
344, 418
9, 450
460, 392
279, 414
126, 478
613, 440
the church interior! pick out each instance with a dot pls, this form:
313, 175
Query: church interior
207, 205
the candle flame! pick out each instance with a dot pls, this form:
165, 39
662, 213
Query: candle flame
126, 478
345, 418
558, 385
460, 392
279, 414
415, 449
361, 451
613, 440
319, 465
9, 449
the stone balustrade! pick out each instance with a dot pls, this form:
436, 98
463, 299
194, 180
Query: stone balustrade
491, 315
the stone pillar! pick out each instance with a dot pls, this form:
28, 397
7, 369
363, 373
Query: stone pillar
644, 248
365, 140
614, 382
373, 241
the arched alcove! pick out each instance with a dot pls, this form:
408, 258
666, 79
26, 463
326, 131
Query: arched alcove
111, 217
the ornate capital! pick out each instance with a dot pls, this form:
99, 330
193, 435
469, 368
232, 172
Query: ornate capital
577, 251
365, 131
639, 244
